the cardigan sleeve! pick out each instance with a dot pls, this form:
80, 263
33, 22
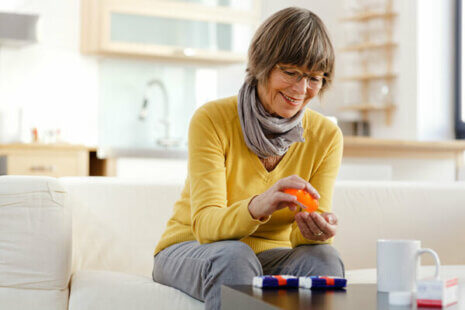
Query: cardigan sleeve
323, 181
211, 217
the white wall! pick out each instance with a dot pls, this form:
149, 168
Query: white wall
55, 85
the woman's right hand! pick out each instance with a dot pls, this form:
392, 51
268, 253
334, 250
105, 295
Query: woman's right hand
275, 199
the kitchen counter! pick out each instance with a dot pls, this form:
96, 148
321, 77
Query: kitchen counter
45, 146
367, 143
370, 147
427, 159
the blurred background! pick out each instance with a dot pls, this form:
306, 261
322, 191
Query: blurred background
107, 87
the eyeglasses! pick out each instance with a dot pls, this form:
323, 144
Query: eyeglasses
292, 76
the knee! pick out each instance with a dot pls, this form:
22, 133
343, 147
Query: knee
324, 252
236, 257
318, 260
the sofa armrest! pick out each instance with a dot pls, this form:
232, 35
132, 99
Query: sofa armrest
35, 234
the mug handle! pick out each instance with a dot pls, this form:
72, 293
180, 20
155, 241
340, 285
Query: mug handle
435, 257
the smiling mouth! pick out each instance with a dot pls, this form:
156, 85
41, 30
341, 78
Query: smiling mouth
292, 100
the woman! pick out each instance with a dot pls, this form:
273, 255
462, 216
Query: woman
233, 220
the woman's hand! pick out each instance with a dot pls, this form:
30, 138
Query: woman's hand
275, 199
317, 227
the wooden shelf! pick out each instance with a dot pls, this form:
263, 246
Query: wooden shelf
368, 107
365, 108
367, 46
369, 15
385, 15
369, 76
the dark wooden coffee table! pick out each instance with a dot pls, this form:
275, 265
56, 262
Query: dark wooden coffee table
354, 297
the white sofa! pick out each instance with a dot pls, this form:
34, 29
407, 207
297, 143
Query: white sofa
87, 243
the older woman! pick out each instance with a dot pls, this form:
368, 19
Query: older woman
233, 220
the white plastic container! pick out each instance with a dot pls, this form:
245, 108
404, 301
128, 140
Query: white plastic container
437, 292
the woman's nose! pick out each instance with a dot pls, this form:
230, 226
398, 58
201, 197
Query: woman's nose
301, 86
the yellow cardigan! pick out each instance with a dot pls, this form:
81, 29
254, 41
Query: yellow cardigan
223, 175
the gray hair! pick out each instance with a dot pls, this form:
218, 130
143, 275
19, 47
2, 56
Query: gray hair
294, 36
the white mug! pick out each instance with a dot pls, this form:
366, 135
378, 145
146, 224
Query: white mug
398, 263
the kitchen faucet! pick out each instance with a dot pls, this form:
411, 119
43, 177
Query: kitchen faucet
166, 141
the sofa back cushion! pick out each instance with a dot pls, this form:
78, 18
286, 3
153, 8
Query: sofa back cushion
118, 222
431, 212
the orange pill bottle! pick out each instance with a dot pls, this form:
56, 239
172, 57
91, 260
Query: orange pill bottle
304, 197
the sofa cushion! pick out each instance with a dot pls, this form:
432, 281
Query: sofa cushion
35, 233
19, 299
102, 290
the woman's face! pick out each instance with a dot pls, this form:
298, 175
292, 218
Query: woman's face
289, 90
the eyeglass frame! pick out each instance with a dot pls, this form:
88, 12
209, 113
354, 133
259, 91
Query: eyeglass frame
300, 76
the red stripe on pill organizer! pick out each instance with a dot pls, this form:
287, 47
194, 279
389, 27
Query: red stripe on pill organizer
281, 280
329, 281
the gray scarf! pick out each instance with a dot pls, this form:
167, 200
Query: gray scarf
257, 124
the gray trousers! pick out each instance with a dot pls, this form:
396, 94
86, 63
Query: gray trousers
199, 269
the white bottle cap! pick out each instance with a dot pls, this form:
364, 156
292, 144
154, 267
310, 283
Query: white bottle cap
400, 298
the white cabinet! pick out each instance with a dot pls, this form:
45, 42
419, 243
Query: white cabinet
208, 31
164, 170
398, 169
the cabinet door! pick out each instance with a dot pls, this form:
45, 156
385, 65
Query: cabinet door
243, 5
215, 31
49, 163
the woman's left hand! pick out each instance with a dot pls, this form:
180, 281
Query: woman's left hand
317, 227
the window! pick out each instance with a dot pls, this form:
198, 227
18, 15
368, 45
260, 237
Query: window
460, 72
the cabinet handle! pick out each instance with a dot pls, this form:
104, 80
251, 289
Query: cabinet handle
42, 168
